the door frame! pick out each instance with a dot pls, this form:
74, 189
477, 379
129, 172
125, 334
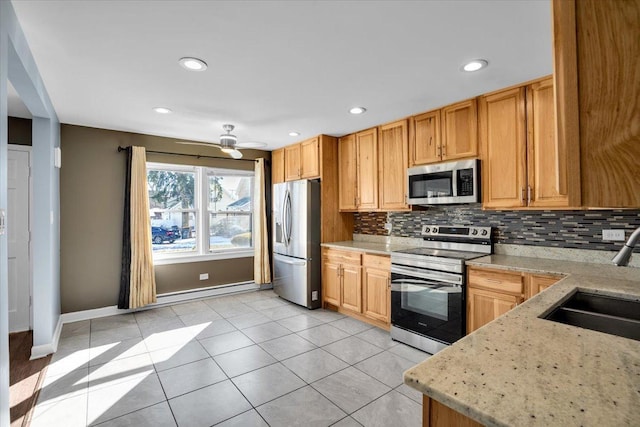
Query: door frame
28, 149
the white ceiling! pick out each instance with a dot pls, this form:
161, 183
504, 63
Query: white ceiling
276, 66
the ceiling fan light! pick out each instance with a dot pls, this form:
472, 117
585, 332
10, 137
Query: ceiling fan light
227, 150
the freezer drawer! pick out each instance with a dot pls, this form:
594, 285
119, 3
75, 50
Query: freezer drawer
295, 281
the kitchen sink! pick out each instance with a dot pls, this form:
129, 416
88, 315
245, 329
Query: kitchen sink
603, 313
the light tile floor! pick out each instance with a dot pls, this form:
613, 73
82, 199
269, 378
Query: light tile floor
248, 359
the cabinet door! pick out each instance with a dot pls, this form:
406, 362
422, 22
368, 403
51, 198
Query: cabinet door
352, 287
310, 159
347, 173
425, 143
547, 163
485, 306
277, 166
460, 130
292, 162
392, 164
331, 283
367, 143
539, 282
376, 289
502, 138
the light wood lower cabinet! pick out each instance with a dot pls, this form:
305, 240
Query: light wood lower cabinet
351, 287
485, 306
357, 284
377, 287
493, 292
435, 414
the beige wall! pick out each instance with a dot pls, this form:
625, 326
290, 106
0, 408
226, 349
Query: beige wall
91, 211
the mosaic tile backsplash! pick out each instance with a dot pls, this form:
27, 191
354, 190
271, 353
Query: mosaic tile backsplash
562, 229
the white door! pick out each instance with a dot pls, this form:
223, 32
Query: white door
18, 240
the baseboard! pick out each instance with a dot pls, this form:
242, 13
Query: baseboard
38, 351
164, 299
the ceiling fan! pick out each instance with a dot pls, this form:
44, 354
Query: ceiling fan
228, 142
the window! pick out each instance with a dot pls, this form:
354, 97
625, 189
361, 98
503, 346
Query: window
184, 200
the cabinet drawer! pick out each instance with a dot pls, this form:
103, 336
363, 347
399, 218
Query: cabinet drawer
377, 261
345, 257
500, 281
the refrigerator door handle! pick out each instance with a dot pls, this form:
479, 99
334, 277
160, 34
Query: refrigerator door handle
287, 261
287, 224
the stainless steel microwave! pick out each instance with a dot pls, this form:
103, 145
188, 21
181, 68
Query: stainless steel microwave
444, 183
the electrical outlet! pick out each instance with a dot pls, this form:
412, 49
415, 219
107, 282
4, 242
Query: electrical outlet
388, 226
613, 235
314, 295
204, 276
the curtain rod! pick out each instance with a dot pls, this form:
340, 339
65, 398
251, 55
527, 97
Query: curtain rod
120, 148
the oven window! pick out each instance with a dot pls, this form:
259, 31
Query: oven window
431, 185
425, 301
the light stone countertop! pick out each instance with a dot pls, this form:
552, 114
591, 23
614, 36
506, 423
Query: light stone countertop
520, 370
378, 248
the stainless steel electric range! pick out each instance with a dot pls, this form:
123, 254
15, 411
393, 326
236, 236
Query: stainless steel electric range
428, 292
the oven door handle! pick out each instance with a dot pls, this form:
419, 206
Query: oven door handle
426, 274
398, 286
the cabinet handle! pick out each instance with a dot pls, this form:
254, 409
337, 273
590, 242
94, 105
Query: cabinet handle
444, 151
439, 151
528, 194
522, 195
389, 283
430, 140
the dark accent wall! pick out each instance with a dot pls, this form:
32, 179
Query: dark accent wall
91, 205
564, 229
19, 131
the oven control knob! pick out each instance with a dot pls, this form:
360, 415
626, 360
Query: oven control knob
484, 232
427, 230
434, 229
474, 232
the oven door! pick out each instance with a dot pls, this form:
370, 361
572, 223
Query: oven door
429, 303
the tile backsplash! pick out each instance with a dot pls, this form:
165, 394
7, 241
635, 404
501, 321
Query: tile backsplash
562, 229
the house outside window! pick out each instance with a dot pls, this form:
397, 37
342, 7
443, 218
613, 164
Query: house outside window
185, 200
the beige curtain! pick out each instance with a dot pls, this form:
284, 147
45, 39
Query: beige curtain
261, 264
142, 281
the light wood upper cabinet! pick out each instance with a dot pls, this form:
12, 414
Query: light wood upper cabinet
302, 160
546, 159
459, 130
347, 173
358, 160
367, 145
425, 144
292, 162
596, 51
523, 164
392, 165
310, 158
503, 142
376, 284
277, 166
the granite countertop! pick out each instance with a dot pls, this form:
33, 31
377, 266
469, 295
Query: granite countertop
378, 248
520, 370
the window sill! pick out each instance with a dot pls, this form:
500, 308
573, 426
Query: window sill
201, 258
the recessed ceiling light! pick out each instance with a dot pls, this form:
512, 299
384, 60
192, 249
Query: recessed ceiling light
162, 110
475, 65
193, 64
357, 110
294, 133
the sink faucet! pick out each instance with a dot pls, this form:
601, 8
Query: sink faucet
622, 257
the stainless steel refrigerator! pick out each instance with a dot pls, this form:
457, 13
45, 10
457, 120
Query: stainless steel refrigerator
296, 242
